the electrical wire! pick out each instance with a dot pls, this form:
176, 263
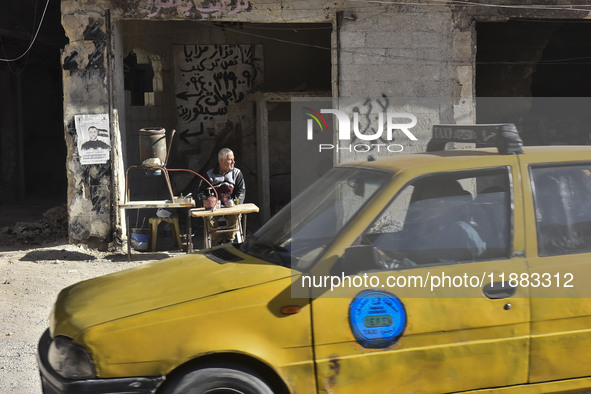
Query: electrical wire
271, 38
563, 61
444, 3
354, 51
32, 40
22, 69
437, 60
437, 3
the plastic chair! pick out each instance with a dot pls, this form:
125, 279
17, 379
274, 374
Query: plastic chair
176, 232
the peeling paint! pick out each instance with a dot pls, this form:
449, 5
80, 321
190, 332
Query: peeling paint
195, 9
80, 206
335, 370
89, 191
87, 219
88, 41
100, 228
78, 55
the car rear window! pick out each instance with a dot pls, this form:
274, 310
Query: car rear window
562, 199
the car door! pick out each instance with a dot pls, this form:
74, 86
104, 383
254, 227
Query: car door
558, 204
415, 310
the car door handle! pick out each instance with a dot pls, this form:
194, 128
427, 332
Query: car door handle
498, 290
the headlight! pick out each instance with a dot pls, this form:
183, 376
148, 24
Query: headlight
70, 360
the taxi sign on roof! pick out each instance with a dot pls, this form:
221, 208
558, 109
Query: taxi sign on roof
504, 136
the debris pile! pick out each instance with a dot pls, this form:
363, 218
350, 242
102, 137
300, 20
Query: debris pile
52, 226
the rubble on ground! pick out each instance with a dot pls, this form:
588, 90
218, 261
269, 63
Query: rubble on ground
52, 226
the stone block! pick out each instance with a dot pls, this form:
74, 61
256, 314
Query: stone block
463, 48
429, 40
352, 39
346, 57
388, 39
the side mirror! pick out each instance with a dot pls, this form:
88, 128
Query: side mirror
356, 259
358, 185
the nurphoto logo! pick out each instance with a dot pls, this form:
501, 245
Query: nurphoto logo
394, 121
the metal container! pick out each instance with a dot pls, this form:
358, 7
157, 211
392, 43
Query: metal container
210, 203
153, 143
140, 239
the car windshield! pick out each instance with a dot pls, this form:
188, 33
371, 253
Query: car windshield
301, 231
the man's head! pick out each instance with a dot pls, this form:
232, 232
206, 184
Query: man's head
92, 133
226, 160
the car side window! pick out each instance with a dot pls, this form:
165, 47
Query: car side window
562, 200
444, 219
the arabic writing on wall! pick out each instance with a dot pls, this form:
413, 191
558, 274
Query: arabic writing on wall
368, 111
209, 78
205, 9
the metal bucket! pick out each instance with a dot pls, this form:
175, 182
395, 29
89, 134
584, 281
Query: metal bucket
153, 143
140, 239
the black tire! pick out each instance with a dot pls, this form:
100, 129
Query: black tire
217, 381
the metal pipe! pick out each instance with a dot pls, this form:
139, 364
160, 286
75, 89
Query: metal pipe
20, 137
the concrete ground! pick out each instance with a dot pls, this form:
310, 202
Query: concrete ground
30, 280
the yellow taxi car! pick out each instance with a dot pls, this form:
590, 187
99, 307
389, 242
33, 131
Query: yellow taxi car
448, 271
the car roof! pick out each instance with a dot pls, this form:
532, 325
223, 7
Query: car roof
475, 157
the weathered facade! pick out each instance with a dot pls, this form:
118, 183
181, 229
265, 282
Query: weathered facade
214, 70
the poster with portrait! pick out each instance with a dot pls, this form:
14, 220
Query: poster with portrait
94, 141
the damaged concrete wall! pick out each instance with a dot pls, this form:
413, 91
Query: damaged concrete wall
205, 120
84, 62
91, 197
379, 50
410, 52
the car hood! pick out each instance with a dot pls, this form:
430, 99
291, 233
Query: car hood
157, 285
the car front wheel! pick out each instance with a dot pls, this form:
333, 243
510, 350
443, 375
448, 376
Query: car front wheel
217, 381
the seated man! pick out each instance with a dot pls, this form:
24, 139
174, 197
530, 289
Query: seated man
438, 222
229, 184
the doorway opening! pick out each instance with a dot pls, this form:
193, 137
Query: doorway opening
32, 148
547, 61
203, 80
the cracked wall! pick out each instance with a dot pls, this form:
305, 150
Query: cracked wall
86, 92
377, 50
383, 51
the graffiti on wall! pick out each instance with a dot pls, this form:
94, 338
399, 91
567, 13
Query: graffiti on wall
368, 111
88, 54
204, 9
209, 79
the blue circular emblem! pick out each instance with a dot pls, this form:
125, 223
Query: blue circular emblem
377, 318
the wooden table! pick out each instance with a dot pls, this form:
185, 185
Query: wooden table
164, 204
240, 209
